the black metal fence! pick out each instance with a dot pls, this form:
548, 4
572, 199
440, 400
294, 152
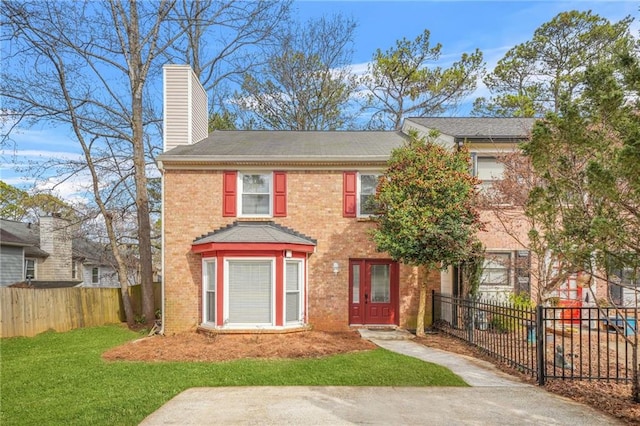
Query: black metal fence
582, 343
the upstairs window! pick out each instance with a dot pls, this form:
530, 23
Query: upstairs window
95, 275
254, 194
255, 190
367, 184
359, 190
488, 169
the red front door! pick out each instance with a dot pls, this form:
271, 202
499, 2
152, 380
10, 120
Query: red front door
373, 292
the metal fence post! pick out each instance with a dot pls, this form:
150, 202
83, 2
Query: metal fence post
433, 308
540, 352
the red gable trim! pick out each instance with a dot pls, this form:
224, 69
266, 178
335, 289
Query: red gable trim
253, 247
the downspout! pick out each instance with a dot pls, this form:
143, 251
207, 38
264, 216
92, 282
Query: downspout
162, 302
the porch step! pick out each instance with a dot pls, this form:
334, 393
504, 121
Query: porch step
385, 334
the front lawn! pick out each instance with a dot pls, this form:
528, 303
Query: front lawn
59, 378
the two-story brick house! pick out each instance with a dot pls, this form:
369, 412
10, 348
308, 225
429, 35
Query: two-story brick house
270, 229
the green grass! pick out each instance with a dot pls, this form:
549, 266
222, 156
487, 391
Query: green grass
59, 378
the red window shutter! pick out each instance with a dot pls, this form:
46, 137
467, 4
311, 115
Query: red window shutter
349, 194
279, 194
229, 193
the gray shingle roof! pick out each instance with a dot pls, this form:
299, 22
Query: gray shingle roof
22, 234
305, 146
478, 127
255, 232
26, 233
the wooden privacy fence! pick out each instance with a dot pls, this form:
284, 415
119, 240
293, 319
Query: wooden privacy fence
27, 312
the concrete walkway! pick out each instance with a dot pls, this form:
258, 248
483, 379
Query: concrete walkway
474, 371
494, 399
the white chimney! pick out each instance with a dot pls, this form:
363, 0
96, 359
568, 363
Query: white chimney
186, 115
56, 239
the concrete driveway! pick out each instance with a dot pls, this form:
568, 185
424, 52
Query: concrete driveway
522, 405
494, 398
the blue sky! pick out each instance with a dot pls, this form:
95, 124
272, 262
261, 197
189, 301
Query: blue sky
461, 26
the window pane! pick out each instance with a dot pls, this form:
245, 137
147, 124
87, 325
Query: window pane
293, 276
250, 292
355, 272
293, 307
380, 284
210, 286
367, 204
29, 268
368, 184
255, 204
94, 275
255, 184
211, 276
292, 297
211, 306
496, 269
489, 168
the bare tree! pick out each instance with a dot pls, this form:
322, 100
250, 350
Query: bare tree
222, 39
506, 200
86, 65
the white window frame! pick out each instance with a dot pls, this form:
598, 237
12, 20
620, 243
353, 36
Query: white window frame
509, 268
241, 192
301, 292
97, 281
205, 290
359, 194
74, 269
35, 270
226, 322
486, 183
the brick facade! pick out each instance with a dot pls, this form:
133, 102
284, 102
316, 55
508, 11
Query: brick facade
193, 207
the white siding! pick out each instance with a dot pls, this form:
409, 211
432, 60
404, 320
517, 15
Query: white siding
199, 111
107, 276
442, 139
11, 265
185, 107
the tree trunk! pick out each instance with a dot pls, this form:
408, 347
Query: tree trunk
137, 75
126, 299
422, 304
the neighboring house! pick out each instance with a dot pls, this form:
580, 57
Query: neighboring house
47, 255
94, 264
270, 229
506, 269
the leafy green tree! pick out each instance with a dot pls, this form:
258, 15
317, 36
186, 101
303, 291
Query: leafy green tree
19, 205
12, 202
306, 83
588, 155
426, 209
534, 76
403, 81
222, 121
